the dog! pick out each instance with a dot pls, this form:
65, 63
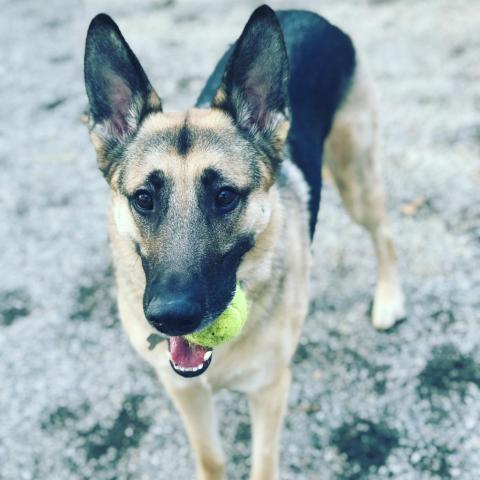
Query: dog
229, 192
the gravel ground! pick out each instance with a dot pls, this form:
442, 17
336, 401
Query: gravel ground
75, 400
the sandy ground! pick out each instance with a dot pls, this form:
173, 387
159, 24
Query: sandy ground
77, 403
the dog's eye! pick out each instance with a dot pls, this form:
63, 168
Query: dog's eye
143, 201
226, 200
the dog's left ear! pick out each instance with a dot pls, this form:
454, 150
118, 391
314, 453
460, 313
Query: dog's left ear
254, 88
118, 90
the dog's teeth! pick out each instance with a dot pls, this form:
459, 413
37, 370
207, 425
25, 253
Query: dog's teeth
207, 355
187, 369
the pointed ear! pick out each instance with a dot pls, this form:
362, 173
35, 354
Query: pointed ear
118, 90
254, 88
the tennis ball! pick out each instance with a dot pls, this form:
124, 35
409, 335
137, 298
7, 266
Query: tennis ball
227, 326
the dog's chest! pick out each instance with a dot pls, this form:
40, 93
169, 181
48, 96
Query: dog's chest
251, 363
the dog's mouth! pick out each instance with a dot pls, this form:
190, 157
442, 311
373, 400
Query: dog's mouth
187, 359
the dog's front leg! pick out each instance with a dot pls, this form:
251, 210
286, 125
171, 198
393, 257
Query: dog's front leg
267, 408
194, 401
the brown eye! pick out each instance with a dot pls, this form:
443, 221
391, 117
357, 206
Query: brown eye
226, 200
143, 201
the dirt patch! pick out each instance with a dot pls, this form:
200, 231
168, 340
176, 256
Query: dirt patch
365, 444
14, 305
124, 433
446, 371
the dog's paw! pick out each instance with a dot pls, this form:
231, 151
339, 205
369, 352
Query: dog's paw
388, 308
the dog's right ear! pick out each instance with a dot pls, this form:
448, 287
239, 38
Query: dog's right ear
118, 90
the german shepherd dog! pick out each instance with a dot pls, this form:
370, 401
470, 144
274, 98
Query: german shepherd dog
228, 192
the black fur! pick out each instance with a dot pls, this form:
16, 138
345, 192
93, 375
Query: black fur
260, 89
321, 66
160, 188
256, 76
184, 140
117, 87
192, 295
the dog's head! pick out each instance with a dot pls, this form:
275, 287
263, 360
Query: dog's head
191, 191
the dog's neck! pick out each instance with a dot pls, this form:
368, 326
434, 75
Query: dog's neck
258, 262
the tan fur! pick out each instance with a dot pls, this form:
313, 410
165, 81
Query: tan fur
257, 362
100, 149
124, 222
351, 154
220, 97
144, 160
279, 306
153, 101
281, 134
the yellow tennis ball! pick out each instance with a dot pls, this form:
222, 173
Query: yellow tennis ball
227, 326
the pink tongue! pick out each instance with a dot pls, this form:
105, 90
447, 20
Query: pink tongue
184, 354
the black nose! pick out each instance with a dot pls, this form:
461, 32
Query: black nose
174, 315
